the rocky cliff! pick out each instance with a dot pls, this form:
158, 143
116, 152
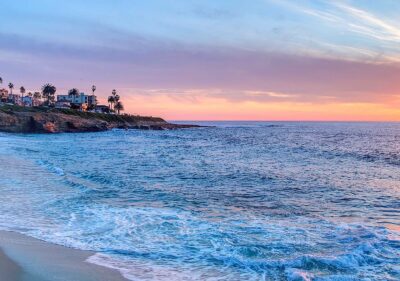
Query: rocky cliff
27, 120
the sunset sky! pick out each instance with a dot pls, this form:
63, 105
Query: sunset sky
212, 60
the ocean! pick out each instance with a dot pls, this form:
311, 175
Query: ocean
235, 201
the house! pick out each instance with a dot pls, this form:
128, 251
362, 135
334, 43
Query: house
14, 99
3, 95
102, 109
62, 104
80, 101
27, 101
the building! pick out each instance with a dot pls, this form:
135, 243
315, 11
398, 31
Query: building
14, 99
3, 95
27, 101
63, 104
102, 109
81, 101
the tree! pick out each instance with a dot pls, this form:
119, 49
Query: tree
2, 94
11, 87
119, 107
94, 100
37, 95
74, 92
111, 101
48, 92
22, 91
36, 98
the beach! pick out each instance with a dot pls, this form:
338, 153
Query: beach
23, 258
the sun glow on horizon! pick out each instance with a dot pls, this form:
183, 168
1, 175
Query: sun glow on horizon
214, 109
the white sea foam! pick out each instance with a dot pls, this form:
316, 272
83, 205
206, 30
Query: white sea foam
289, 202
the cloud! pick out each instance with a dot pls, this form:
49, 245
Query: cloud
238, 75
370, 25
319, 70
340, 30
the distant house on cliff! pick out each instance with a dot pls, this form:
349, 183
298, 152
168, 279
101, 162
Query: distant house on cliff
102, 109
14, 99
80, 101
3, 95
27, 101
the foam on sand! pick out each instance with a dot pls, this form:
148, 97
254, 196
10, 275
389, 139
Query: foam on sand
25, 258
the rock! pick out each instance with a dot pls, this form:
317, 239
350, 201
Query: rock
53, 121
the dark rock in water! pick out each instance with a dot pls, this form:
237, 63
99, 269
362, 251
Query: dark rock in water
28, 120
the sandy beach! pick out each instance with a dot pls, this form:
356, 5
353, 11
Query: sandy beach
27, 259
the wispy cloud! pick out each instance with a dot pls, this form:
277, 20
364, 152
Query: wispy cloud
370, 24
357, 34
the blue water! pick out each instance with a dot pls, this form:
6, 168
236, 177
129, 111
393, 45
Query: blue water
238, 201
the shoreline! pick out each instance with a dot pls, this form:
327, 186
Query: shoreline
23, 258
15, 119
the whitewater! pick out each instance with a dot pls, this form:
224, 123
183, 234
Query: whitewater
233, 201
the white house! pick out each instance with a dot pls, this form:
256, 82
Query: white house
81, 100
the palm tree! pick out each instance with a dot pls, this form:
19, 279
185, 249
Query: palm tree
48, 92
22, 91
2, 94
113, 98
94, 100
73, 92
118, 107
111, 101
11, 87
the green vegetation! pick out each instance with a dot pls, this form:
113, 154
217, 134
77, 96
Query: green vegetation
9, 109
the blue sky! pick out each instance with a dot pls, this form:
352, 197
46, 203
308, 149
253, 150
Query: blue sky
361, 27
223, 48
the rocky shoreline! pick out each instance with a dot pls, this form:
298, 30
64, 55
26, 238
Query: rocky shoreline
44, 120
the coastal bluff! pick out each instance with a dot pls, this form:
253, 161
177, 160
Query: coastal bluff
15, 119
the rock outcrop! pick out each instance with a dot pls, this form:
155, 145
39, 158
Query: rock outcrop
57, 121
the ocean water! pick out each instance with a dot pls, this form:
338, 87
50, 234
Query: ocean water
238, 201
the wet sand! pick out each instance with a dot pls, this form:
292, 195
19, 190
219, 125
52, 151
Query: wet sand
27, 259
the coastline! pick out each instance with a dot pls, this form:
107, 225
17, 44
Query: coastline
23, 258
16, 119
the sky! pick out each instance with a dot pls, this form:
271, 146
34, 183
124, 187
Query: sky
212, 59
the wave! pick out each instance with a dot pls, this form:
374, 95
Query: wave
354, 265
170, 244
51, 168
